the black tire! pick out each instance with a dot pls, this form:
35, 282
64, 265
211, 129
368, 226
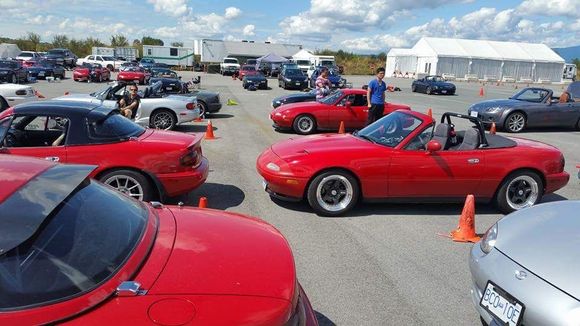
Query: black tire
202, 108
3, 104
304, 124
515, 122
333, 193
428, 91
131, 183
577, 126
518, 190
162, 119
413, 88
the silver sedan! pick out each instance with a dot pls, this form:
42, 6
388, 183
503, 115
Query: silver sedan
526, 268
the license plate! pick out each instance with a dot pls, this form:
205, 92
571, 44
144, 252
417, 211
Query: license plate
443, 92
502, 305
264, 185
473, 114
169, 88
41, 73
297, 84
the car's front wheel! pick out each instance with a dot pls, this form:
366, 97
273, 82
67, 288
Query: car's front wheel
130, 183
163, 119
413, 88
515, 122
304, 124
333, 193
519, 190
429, 91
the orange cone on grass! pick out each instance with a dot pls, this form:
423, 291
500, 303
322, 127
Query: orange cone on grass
465, 231
209, 131
341, 128
492, 130
430, 112
202, 202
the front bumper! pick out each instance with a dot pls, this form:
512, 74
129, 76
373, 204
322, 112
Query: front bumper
281, 122
488, 118
182, 182
544, 304
285, 186
296, 84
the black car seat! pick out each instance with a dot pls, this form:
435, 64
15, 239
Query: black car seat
441, 135
471, 140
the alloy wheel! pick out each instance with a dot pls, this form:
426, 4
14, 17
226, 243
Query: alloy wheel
334, 193
522, 191
126, 185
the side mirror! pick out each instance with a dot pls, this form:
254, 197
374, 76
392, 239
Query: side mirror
348, 104
433, 146
179, 77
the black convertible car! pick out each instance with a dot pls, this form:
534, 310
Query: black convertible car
12, 71
433, 85
169, 78
531, 107
44, 68
309, 96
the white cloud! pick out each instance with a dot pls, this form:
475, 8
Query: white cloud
168, 32
174, 8
39, 20
232, 13
566, 8
249, 30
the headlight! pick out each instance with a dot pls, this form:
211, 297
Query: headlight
493, 110
3, 72
288, 79
273, 167
488, 241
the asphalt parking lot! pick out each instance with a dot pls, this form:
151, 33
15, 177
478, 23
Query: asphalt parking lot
383, 264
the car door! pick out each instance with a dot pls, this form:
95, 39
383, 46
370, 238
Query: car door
35, 135
341, 112
414, 173
562, 114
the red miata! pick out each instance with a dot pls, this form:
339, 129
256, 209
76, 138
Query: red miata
403, 157
130, 74
74, 251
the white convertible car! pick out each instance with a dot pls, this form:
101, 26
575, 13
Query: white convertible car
12, 94
156, 110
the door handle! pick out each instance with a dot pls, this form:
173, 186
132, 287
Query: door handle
473, 161
52, 158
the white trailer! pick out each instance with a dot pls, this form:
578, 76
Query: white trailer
173, 56
129, 53
323, 60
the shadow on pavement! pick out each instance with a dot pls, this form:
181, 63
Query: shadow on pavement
323, 320
219, 196
219, 116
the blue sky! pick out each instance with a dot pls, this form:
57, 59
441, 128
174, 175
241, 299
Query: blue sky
361, 26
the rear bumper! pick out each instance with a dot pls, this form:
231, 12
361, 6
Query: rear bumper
214, 107
185, 116
182, 182
306, 312
556, 181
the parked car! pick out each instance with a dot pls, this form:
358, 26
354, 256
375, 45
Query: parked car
292, 78
531, 107
403, 157
129, 64
333, 76
256, 78
12, 94
229, 66
163, 72
433, 85
348, 106
146, 62
309, 96
207, 101
524, 269
63, 57
134, 74
109, 62
171, 82
155, 111
90, 254
88, 133
12, 71
91, 72
251, 62
28, 58
245, 69
44, 68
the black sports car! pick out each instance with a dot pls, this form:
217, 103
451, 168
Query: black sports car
171, 81
309, 96
433, 85
44, 68
531, 107
257, 79
292, 78
12, 71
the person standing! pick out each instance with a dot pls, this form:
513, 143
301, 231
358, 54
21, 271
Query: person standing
323, 84
376, 97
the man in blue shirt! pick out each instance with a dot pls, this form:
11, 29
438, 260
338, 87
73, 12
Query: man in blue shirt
376, 97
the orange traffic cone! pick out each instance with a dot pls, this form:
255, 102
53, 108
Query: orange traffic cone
492, 129
430, 112
209, 131
38, 94
202, 202
66, 93
465, 231
341, 128
481, 92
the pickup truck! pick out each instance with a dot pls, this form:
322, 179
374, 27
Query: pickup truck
106, 61
229, 66
63, 57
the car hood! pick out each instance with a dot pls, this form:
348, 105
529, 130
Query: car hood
222, 253
507, 103
255, 77
170, 138
291, 97
544, 239
319, 145
13, 87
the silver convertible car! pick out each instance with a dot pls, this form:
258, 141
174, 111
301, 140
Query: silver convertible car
157, 110
531, 107
526, 268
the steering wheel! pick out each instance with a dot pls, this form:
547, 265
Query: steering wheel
11, 140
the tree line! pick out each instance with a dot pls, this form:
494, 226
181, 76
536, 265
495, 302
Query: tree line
81, 47
356, 64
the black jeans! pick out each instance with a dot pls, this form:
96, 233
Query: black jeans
375, 113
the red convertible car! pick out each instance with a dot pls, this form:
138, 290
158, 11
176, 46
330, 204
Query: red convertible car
91, 72
143, 163
76, 252
347, 105
403, 157
136, 74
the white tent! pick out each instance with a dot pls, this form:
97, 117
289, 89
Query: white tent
400, 61
483, 59
8, 50
302, 55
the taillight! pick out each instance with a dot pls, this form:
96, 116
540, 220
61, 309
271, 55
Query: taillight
190, 106
192, 157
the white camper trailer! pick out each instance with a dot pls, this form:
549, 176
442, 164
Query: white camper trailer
173, 56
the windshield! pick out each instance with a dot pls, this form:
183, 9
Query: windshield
390, 130
82, 243
327, 63
531, 95
115, 127
25, 54
59, 52
230, 61
294, 72
249, 68
101, 94
331, 98
435, 79
145, 60
108, 58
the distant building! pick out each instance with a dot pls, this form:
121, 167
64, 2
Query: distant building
213, 51
480, 59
